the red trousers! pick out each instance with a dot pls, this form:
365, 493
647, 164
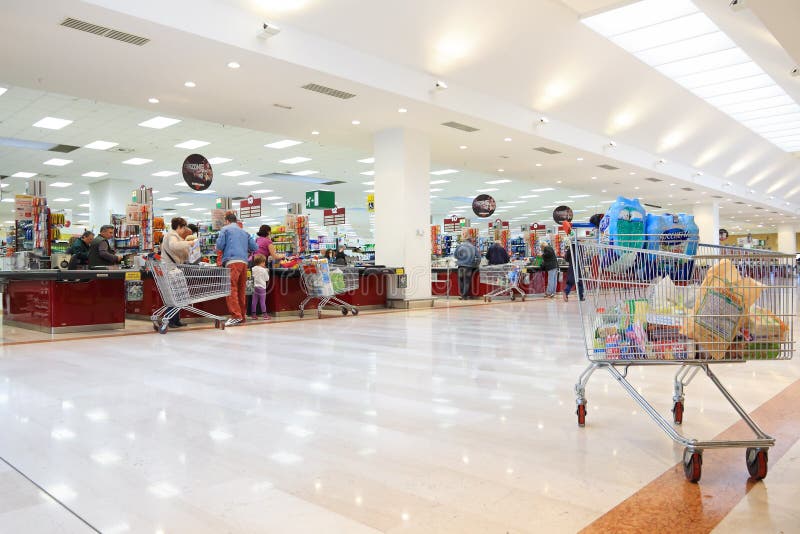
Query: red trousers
237, 300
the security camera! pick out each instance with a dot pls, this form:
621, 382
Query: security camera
662, 161
543, 120
268, 29
612, 144
736, 5
440, 85
795, 71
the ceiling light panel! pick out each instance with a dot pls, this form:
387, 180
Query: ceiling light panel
286, 143
159, 123
191, 144
295, 160
684, 44
215, 161
164, 173
444, 172
101, 145
58, 162
52, 123
137, 161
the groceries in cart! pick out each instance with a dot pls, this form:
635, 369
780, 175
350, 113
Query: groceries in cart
322, 281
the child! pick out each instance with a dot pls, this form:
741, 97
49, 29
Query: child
260, 279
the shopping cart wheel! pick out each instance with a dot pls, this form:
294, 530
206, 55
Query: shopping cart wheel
218, 323
344, 310
319, 314
162, 329
523, 298
513, 296
677, 412
156, 324
581, 415
302, 313
756, 462
692, 465
354, 311
488, 299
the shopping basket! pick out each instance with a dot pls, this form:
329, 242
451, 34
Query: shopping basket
182, 285
654, 307
323, 281
505, 279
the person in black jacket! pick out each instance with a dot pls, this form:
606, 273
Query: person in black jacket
570, 258
79, 249
497, 255
102, 253
550, 265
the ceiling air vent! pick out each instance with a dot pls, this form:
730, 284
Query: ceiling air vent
608, 167
102, 31
336, 93
651, 179
717, 196
282, 106
687, 188
459, 126
64, 149
547, 150
759, 208
652, 205
739, 202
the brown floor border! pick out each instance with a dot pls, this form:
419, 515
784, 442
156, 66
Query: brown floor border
260, 323
672, 504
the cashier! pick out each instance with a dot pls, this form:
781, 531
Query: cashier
102, 253
79, 249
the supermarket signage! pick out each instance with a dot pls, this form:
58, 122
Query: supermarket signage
483, 206
250, 207
133, 275
371, 202
503, 224
333, 217
217, 219
562, 213
319, 200
197, 172
536, 226
23, 207
453, 224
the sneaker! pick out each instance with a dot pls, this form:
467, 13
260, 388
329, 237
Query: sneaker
566, 297
232, 322
253, 317
265, 318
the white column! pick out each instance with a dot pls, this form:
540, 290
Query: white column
706, 216
787, 239
402, 207
107, 197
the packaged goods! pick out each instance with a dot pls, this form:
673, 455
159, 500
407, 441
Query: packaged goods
760, 337
337, 280
671, 233
623, 226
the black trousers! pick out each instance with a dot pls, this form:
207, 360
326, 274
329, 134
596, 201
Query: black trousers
465, 281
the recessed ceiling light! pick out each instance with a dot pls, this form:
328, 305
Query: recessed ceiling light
305, 173
259, 191
367, 160
3, 90
538, 164
233, 65
529, 196
84, 205
153, 100
189, 84
543, 189
495, 182
579, 196
191, 144
166, 199
369, 190
436, 190
273, 198
60, 184
315, 132
217, 161
437, 182
594, 177
159, 123
184, 204
559, 181
368, 183
164, 173
295, 160
84, 192
101, 145
402, 110
23, 175
137, 161
368, 173
251, 182
463, 147
487, 190
286, 143
501, 170
631, 173
444, 172
52, 123
507, 139
579, 159
182, 184
58, 162
280, 203
8, 200
235, 173
62, 199
356, 122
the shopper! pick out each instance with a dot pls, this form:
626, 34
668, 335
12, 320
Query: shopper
550, 266
265, 245
570, 257
234, 246
341, 257
175, 250
468, 258
330, 255
497, 255
79, 249
260, 279
102, 252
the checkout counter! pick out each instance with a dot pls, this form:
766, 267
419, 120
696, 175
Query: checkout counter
444, 281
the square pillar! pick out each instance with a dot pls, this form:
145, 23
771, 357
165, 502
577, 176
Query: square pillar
107, 197
706, 216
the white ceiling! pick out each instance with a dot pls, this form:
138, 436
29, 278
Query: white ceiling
115, 81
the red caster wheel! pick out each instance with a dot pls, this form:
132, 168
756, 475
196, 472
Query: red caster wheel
692, 465
523, 298
218, 324
677, 412
581, 411
756, 462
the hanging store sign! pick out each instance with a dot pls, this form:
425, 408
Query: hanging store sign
197, 172
562, 213
23, 207
371, 203
333, 217
503, 224
483, 206
318, 200
536, 227
250, 207
452, 224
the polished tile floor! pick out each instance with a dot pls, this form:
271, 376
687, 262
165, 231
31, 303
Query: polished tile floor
445, 420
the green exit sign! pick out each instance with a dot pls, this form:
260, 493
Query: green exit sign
318, 200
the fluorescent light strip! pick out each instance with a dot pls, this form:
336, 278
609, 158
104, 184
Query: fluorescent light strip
684, 44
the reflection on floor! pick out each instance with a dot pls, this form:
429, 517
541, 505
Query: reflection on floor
455, 419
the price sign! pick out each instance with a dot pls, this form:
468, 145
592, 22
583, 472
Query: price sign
452, 224
536, 226
23, 205
333, 217
250, 207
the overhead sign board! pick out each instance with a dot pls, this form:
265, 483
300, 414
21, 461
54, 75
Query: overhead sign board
250, 207
333, 217
318, 200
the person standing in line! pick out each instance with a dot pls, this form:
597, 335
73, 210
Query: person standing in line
570, 258
341, 257
550, 265
175, 250
497, 255
260, 279
265, 246
467, 258
79, 250
102, 253
234, 246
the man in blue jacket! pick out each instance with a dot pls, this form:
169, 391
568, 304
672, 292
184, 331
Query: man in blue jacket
468, 257
235, 246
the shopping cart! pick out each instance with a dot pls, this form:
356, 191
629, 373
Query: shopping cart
181, 286
722, 305
505, 278
323, 281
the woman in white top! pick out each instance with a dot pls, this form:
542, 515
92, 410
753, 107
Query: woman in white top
260, 279
175, 250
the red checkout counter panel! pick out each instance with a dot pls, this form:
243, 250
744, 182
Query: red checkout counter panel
64, 301
444, 282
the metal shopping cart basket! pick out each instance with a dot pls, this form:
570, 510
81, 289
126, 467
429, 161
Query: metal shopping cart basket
181, 286
505, 278
654, 307
323, 281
